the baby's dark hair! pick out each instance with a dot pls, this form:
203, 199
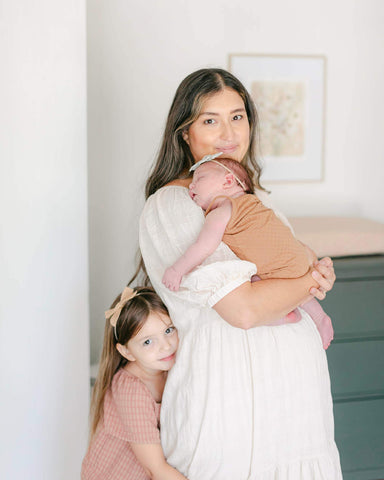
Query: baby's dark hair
241, 171
131, 319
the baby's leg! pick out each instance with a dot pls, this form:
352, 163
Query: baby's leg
291, 317
321, 319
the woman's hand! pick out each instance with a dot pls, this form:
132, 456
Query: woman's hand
324, 274
261, 303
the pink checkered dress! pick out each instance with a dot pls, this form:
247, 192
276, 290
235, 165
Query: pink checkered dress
131, 415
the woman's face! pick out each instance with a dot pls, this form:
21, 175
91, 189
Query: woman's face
222, 126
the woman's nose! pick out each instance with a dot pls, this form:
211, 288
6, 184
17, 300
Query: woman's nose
227, 133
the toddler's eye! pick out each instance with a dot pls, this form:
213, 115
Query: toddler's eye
169, 330
147, 342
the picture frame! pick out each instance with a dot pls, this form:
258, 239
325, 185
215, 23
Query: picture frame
289, 94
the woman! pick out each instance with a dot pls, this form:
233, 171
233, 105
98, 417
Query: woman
241, 402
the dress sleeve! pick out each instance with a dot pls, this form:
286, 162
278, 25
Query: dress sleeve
136, 412
169, 224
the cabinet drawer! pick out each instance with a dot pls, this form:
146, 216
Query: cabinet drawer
359, 435
356, 369
356, 308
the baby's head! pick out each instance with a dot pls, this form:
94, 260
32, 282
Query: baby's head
221, 176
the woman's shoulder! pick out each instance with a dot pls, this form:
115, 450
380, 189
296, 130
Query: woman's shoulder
180, 182
174, 197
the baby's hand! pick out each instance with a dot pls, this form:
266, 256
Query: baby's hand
172, 279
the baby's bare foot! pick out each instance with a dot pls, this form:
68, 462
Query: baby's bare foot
326, 331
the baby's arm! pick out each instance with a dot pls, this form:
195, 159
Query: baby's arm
208, 240
151, 457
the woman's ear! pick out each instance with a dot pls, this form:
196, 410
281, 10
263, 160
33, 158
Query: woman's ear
185, 136
124, 352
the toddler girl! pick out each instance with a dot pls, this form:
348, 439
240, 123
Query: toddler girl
236, 216
139, 348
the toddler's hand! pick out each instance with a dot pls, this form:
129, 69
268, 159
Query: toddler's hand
172, 279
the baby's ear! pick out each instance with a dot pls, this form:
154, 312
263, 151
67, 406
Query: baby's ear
124, 352
229, 180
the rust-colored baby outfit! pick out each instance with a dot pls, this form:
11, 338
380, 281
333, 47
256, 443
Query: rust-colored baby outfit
256, 234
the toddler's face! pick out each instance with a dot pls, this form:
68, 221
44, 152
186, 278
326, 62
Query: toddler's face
154, 347
208, 181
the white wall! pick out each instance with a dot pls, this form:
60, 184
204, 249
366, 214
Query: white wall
44, 346
138, 52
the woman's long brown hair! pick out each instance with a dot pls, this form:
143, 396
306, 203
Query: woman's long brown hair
174, 158
132, 317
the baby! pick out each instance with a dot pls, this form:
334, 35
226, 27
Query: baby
235, 215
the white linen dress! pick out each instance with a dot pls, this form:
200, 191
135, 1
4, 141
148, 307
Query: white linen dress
238, 404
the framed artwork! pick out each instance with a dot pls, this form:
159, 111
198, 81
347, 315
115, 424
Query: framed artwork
289, 94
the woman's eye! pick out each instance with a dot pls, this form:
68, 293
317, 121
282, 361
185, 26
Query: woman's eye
169, 330
147, 342
237, 117
209, 121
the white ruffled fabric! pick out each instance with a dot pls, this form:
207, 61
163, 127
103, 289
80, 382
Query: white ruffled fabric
238, 404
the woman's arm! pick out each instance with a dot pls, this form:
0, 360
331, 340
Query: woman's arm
152, 459
171, 222
260, 303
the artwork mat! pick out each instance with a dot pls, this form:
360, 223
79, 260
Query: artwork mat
310, 69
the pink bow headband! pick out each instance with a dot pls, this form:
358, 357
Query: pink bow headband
114, 313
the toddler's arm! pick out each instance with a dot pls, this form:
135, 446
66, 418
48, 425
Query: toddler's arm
208, 240
151, 457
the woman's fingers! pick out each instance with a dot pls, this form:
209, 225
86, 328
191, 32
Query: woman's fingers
324, 274
326, 261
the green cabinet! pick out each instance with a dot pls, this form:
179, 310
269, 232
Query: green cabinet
356, 364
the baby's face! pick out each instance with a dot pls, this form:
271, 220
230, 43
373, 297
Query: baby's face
208, 181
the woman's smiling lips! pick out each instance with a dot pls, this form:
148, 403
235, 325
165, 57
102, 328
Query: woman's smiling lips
227, 149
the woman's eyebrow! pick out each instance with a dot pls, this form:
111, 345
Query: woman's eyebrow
241, 109
236, 110
209, 113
